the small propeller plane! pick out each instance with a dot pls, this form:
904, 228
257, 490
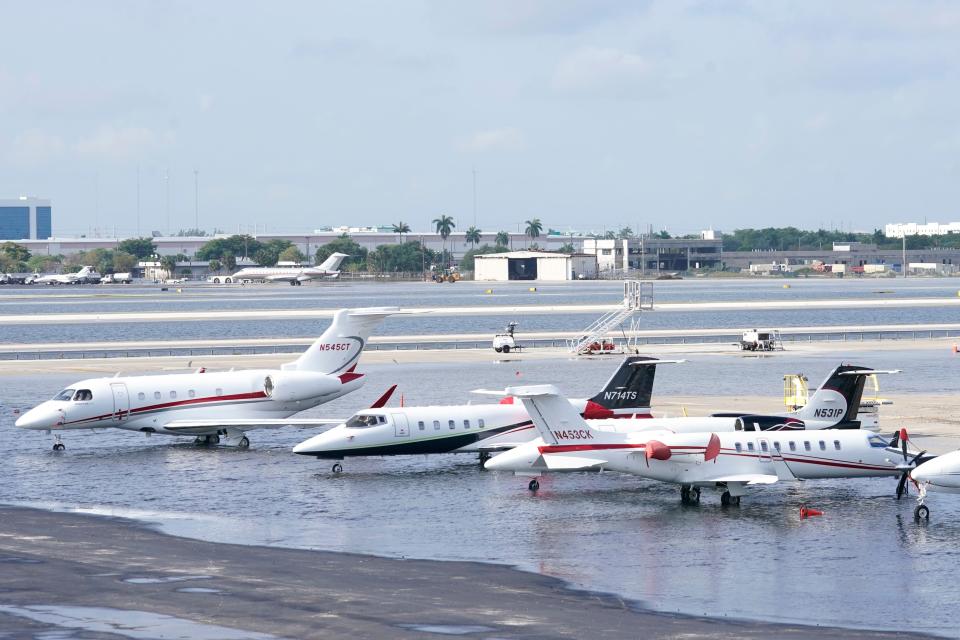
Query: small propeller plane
210, 405
731, 461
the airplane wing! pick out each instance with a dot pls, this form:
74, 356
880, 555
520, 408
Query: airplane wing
201, 427
746, 478
568, 463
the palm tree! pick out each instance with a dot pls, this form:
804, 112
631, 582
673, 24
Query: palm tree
401, 228
445, 226
503, 238
473, 236
534, 227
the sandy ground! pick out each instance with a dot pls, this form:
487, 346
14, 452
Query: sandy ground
62, 561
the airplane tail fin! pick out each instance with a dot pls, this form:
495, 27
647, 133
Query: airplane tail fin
629, 388
555, 418
838, 398
340, 346
333, 262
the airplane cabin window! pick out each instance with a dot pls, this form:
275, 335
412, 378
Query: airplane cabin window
480, 423
823, 446
763, 447
381, 420
436, 425
776, 445
173, 394
466, 424
793, 446
836, 445
421, 425
738, 447
749, 446
83, 395
878, 441
806, 445
156, 395
219, 392
141, 396
66, 394
192, 393
453, 425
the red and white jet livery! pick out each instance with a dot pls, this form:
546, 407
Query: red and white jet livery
731, 461
225, 404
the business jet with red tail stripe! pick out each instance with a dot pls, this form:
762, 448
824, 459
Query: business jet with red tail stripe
225, 404
476, 428
730, 461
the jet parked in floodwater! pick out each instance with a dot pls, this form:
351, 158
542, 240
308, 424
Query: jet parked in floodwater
210, 405
86, 275
295, 275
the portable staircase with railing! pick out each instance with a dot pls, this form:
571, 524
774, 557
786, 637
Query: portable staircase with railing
637, 296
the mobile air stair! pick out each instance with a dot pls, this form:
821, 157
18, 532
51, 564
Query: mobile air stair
637, 296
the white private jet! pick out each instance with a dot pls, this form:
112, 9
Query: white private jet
86, 274
210, 405
941, 474
731, 461
475, 428
294, 275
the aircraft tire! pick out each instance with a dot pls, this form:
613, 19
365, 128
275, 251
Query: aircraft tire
498, 349
337, 468
244, 442
59, 446
534, 485
216, 281
506, 348
922, 512
228, 280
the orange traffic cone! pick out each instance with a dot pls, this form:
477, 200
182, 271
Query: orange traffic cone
806, 512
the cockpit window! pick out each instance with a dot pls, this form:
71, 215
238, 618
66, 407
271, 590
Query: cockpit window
66, 394
83, 395
878, 441
361, 421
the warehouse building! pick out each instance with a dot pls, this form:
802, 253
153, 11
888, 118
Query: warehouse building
534, 265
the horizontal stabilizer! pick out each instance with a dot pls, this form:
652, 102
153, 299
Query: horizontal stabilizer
868, 372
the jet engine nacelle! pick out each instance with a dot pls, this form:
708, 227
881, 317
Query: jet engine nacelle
768, 423
295, 386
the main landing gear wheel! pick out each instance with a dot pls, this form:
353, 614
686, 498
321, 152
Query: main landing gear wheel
922, 512
244, 442
506, 348
728, 500
534, 485
689, 495
337, 468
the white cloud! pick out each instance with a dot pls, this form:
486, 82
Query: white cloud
122, 142
35, 147
601, 69
503, 139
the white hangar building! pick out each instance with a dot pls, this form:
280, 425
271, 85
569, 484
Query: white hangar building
534, 265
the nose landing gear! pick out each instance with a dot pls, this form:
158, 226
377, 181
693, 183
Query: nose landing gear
58, 444
922, 511
689, 494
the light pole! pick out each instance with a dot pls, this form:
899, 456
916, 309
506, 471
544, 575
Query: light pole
196, 201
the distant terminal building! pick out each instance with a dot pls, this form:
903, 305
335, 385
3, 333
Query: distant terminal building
25, 218
534, 265
905, 229
651, 254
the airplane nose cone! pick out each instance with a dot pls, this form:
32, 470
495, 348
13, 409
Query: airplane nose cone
327, 441
34, 419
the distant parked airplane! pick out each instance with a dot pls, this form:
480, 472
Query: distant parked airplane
85, 275
294, 275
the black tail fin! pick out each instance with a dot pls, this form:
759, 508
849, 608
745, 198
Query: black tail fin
630, 386
838, 398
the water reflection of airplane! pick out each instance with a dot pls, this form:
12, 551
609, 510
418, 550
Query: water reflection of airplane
227, 403
731, 461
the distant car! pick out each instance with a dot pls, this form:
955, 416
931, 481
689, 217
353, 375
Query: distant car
116, 278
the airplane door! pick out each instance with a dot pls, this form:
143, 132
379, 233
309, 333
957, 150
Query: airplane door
121, 401
763, 450
400, 425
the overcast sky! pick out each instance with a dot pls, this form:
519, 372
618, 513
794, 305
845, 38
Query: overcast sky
680, 114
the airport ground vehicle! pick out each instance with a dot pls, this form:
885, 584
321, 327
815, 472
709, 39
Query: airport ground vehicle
117, 278
506, 342
761, 340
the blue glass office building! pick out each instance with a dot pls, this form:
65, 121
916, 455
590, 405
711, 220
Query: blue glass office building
25, 219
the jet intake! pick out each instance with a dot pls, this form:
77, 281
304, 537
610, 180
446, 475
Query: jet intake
297, 386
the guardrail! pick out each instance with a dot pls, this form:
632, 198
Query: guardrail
533, 343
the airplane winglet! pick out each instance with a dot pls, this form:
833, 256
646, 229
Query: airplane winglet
384, 399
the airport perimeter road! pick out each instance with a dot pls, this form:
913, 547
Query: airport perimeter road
53, 563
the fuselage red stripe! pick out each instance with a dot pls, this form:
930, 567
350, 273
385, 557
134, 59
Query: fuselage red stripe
178, 403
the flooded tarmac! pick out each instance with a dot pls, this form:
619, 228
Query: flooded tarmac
864, 564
